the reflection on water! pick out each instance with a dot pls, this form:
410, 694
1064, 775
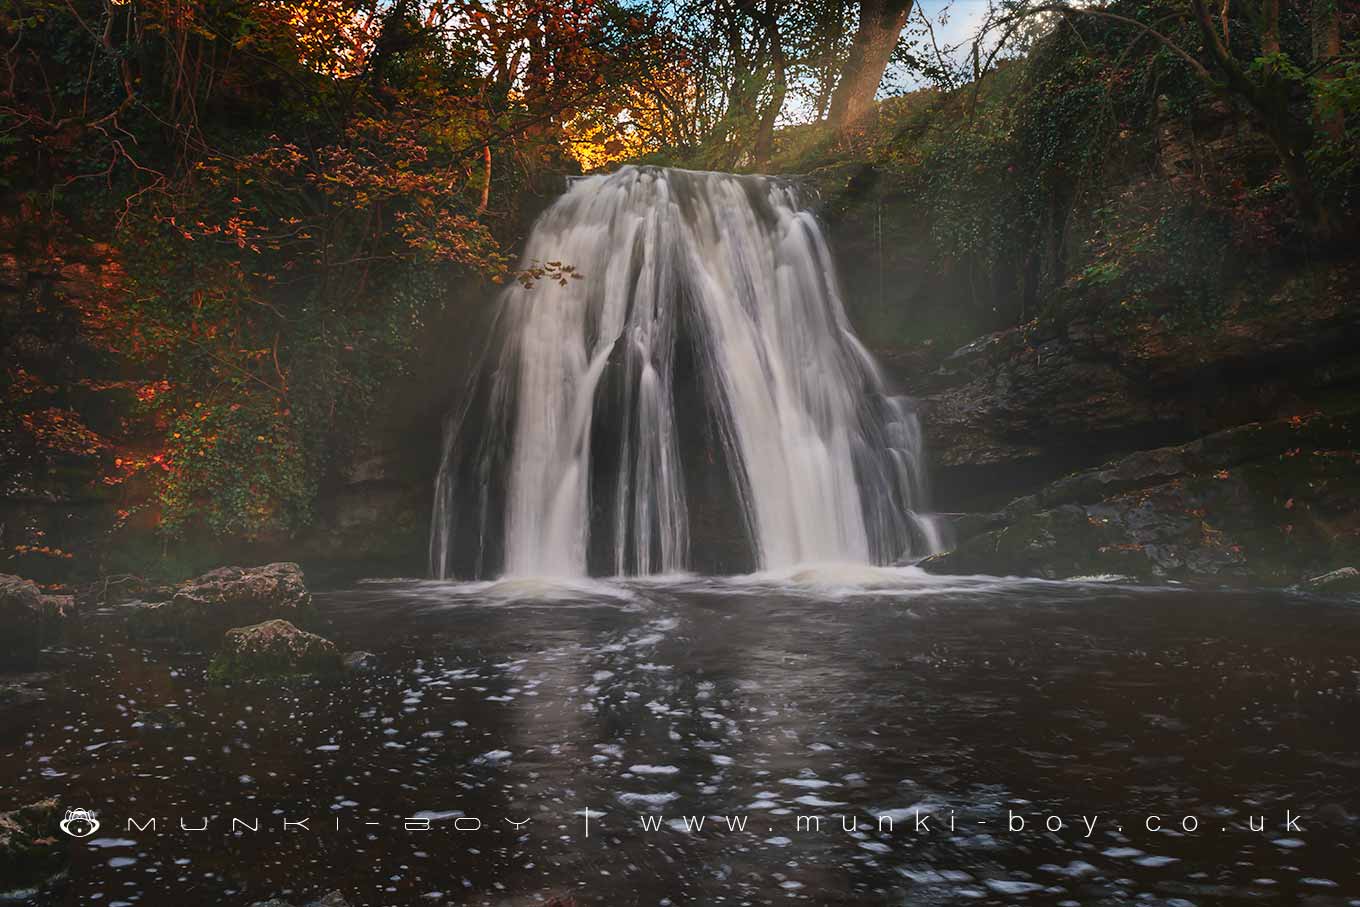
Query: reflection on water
875, 700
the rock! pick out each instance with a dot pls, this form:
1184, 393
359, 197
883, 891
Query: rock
122, 589
1343, 581
359, 662
31, 849
333, 899
1014, 409
150, 721
30, 620
23, 689
207, 605
1266, 501
274, 648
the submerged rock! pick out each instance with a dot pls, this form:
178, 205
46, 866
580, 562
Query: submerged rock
30, 620
31, 851
274, 648
360, 662
223, 598
333, 899
23, 689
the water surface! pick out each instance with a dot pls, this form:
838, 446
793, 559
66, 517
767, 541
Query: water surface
838, 693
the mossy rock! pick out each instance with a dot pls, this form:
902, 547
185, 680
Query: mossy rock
31, 848
207, 605
1276, 503
273, 649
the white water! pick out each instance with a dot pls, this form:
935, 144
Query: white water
828, 467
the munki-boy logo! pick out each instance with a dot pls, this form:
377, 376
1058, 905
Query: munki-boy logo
79, 823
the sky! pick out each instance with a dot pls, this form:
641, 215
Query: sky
961, 21
955, 23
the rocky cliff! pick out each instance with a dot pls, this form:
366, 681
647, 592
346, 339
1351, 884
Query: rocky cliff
1083, 444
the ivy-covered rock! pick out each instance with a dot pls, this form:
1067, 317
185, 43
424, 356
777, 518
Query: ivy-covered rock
207, 605
31, 851
29, 620
274, 648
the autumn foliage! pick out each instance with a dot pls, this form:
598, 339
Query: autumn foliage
224, 225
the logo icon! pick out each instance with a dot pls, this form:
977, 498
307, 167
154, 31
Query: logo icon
79, 823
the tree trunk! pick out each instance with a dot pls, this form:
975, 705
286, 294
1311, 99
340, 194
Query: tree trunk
764, 145
1270, 27
779, 87
880, 24
1326, 16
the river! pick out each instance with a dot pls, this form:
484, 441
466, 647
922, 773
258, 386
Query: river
1184, 746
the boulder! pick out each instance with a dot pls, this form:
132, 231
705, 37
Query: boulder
31, 851
29, 620
274, 648
206, 606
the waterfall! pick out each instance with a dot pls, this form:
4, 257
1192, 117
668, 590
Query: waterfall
706, 308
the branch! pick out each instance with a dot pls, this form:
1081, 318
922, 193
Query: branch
1062, 9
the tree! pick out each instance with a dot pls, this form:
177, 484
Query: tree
880, 24
1267, 85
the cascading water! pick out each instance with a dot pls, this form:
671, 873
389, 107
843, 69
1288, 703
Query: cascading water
707, 289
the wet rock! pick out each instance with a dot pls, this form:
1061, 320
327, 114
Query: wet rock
1014, 409
274, 648
1267, 501
1060, 543
333, 899
30, 620
23, 689
360, 662
122, 589
223, 598
31, 849
1342, 581
158, 720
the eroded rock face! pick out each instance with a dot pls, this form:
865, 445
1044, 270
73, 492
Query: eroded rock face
223, 598
1275, 502
29, 620
1014, 409
274, 648
31, 848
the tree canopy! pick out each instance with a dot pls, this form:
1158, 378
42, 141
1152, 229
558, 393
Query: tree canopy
226, 224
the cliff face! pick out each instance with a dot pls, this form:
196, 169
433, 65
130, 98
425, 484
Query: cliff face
1056, 439
1034, 402
1174, 385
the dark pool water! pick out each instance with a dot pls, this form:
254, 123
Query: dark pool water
855, 698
